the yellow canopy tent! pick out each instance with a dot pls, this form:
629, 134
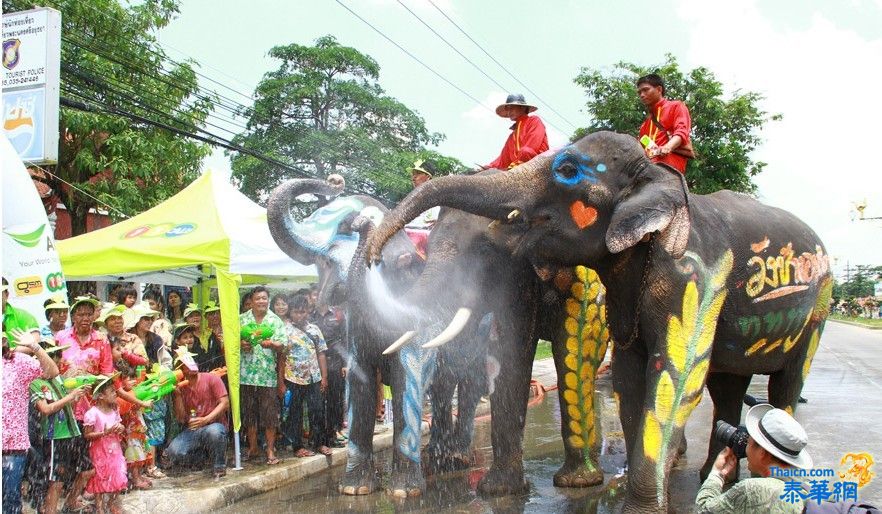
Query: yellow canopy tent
209, 233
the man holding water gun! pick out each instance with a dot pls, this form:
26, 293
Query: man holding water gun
664, 133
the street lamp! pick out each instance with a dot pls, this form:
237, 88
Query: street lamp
859, 208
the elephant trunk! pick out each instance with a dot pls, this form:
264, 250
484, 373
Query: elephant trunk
280, 219
493, 195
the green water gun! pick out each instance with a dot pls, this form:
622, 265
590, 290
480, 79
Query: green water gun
80, 381
159, 385
254, 333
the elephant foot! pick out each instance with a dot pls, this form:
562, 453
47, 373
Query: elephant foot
359, 480
407, 481
577, 476
503, 481
435, 461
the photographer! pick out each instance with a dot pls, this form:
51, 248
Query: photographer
775, 439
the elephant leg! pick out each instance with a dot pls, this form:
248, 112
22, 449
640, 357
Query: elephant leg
508, 406
361, 400
786, 384
437, 453
629, 387
727, 392
469, 393
578, 351
411, 375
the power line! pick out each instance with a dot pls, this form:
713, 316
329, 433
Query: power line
415, 58
80, 190
503, 67
165, 57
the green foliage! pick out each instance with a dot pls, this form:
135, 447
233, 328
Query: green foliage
322, 112
110, 56
857, 285
724, 132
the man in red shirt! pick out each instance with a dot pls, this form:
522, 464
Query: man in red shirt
201, 407
667, 124
527, 139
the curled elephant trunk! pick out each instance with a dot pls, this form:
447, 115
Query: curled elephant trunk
278, 209
494, 195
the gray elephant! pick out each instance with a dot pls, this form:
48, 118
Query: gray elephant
701, 289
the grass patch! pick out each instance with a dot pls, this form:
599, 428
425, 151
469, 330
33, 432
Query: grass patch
543, 350
876, 323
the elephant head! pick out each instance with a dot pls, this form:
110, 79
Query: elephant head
575, 205
325, 238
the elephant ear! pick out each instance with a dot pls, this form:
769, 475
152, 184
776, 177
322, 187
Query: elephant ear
657, 202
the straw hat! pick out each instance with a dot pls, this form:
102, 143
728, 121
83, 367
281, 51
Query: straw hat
779, 434
102, 383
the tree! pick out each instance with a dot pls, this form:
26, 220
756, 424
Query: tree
724, 132
110, 59
322, 112
858, 285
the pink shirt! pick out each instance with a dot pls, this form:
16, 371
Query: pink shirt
18, 372
90, 358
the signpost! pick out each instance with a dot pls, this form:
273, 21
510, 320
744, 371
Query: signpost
30, 77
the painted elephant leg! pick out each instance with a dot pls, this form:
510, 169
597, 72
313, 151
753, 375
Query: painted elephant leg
508, 403
629, 386
674, 385
469, 393
415, 367
727, 392
786, 384
578, 353
361, 399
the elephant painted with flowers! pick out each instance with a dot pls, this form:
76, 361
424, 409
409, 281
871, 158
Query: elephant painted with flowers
702, 290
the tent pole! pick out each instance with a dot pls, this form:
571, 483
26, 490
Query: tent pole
236, 451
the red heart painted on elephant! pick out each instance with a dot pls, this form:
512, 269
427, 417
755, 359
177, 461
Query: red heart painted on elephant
583, 215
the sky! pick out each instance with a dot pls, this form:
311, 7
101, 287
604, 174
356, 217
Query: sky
817, 62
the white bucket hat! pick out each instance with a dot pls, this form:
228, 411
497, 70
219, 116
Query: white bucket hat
779, 434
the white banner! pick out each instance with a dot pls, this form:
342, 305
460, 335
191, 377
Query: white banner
30, 262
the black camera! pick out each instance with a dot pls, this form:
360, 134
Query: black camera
733, 437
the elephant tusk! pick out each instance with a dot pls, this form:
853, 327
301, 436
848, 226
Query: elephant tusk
455, 327
493, 224
513, 214
394, 347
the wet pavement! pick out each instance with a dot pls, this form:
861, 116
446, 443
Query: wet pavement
844, 393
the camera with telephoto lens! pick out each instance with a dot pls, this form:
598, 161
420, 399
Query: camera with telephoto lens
733, 437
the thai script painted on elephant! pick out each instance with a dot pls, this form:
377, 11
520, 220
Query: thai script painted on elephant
785, 273
582, 164
774, 323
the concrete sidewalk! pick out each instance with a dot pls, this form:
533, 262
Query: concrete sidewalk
198, 492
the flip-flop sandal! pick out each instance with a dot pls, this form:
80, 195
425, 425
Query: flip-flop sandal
324, 450
273, 461
303, 452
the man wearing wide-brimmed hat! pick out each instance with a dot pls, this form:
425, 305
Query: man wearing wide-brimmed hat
776, 440
527, 139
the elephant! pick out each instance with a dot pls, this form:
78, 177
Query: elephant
466, 258
702, 290
328, 239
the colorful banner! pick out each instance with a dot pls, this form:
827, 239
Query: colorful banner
30, 262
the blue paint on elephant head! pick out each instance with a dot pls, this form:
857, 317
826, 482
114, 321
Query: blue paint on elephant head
319, 233
579, 166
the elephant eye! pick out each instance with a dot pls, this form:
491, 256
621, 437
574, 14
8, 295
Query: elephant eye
567, 170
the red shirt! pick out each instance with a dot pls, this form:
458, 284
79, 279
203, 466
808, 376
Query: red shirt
204, 396
527, 140
674, 116
90, 358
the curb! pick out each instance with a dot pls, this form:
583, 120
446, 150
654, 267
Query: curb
199, 494
854, 324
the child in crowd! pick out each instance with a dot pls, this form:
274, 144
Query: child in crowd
306, 375
65, 452
103, 429
136, 450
